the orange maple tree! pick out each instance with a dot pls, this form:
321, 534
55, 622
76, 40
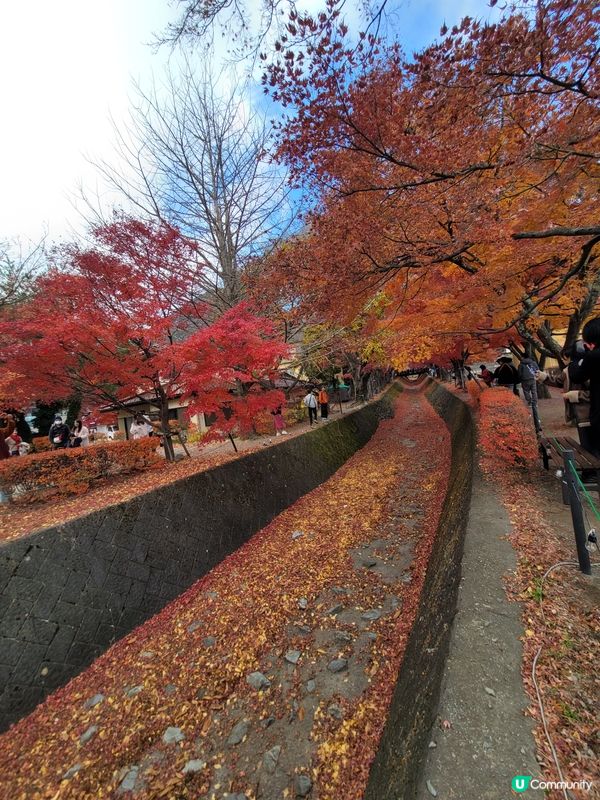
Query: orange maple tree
461, 183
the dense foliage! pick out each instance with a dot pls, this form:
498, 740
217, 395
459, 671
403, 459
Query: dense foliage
63, 472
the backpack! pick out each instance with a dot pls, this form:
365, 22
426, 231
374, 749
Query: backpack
527, 372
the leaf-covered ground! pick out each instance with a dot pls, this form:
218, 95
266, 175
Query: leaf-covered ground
314, 611
560, 616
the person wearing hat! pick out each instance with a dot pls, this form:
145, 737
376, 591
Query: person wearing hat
59, 434
506, 374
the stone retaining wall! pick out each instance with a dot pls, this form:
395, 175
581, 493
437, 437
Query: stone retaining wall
395, 771
68, 592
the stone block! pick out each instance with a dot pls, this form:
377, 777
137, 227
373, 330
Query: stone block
47, 600
10, 651
14, 617
106, 634
89, 625
140, 551
30, 663
60, 645
66, 614
31, 563
74, 586
26, 589
83, 653
117, 584
37, 631
140, 572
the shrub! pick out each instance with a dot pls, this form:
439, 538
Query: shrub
506, 428
41, 444
475, 391
194, 435
64, 472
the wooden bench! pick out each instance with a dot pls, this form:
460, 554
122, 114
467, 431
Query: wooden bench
552, 449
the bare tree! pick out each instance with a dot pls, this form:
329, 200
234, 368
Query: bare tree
19, 265
199, 161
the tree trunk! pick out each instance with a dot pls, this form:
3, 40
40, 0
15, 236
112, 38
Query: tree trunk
166, 430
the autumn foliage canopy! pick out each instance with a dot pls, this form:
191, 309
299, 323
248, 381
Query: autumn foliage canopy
125, 318
460, 185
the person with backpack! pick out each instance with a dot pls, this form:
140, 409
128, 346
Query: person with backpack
59, 434
528, 372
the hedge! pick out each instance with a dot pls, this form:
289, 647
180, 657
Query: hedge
506, 426
41, 444
64, 472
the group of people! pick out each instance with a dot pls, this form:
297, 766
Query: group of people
61, 436
581, 384
315, 400
506, 374
15, 434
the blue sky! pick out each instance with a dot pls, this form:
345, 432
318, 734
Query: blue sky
67, 67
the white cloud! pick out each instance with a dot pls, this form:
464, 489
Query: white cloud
66, 66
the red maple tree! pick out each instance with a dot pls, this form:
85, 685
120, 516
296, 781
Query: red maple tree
124, 319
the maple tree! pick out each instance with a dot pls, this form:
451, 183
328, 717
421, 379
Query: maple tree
125, 319
461, 183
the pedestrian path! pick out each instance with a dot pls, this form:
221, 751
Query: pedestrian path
481, 738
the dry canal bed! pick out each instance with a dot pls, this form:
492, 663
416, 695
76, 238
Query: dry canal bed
271, 677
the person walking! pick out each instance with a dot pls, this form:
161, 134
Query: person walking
310, 401
577, 395
588, 369
59, 434
279, 422
528, 372
324, 402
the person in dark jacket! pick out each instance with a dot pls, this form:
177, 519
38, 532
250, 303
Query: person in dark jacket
576, 395
59, 434
588, 369
506, 374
